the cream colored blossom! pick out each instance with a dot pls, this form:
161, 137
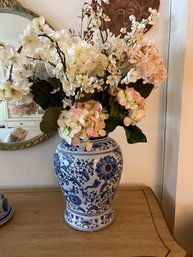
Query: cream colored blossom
149, 64
104, 1
154, 16
40, 25
123, 30
84, 64
8, 92
9, 56
20, 73
30, 41
132, 76
113, 80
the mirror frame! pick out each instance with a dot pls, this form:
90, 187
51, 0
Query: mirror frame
14, 7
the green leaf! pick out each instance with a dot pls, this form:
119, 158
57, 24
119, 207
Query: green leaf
95, 96
115, 108
134, 134
112, 123
42, 91
102, 97
54, 82
49, 120
143, 89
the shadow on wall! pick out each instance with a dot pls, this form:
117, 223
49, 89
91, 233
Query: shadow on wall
168, 208
184, 234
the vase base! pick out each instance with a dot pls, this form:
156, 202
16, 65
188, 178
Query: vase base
89, 223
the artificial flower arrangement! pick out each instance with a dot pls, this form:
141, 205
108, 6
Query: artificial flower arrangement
88, 83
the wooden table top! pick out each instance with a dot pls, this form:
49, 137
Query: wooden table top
38, 229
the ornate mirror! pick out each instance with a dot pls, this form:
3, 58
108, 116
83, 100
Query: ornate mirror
14, 18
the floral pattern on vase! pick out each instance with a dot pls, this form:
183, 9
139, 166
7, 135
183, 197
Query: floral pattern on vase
89, 181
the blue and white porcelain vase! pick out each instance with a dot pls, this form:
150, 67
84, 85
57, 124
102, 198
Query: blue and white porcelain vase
89, 181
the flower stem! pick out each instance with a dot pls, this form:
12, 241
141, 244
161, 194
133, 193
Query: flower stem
59, 51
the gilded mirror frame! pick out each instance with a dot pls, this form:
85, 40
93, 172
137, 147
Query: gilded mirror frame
14, 7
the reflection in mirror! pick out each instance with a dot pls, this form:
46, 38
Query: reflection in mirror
19, 124
10, 32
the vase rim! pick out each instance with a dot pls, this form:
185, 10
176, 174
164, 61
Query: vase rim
97, 138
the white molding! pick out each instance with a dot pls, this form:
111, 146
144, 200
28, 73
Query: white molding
176, 57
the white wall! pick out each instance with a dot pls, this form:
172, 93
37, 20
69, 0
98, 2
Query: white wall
177, 198
177, 45
32, 167
184, 192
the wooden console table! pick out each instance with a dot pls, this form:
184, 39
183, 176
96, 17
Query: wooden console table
37, 228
